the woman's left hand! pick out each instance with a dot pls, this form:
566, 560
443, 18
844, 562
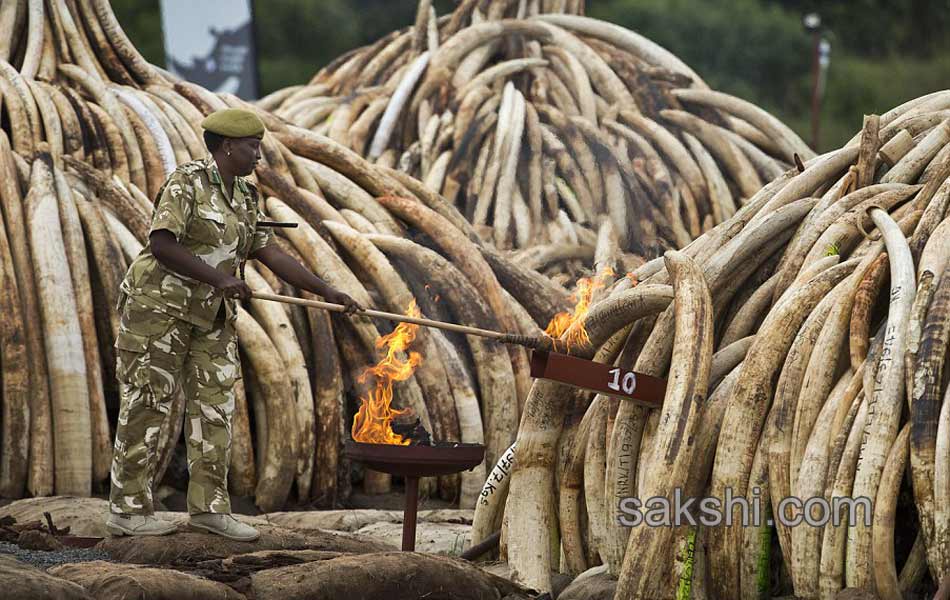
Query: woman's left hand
351, 305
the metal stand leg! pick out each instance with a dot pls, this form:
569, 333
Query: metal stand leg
409, 514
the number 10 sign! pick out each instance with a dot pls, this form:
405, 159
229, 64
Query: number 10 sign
626, 382
598, 377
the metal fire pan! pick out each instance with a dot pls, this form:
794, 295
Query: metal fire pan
416, 461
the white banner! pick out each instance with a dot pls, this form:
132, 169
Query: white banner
211, 43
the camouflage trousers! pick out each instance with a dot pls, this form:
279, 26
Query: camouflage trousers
158, 356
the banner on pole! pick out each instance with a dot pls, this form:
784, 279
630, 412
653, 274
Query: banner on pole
211, 43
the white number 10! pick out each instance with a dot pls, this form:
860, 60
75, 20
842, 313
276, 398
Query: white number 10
628, 384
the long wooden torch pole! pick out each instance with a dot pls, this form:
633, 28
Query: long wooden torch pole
497, 335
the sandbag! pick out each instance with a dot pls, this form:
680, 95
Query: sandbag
192, 547
111, 581
20, 581
354, 519
383, 576
594, 587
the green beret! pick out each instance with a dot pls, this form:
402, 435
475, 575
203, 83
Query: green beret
234, 123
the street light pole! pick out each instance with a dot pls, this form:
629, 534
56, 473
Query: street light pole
824, 59
821, 49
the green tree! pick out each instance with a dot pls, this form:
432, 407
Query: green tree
295, 38
142, 23
882, 28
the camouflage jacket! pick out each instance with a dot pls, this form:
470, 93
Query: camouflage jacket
223, 232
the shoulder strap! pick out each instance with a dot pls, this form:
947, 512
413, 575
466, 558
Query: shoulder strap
188, 168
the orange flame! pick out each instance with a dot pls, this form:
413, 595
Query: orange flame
571, 325
373, 422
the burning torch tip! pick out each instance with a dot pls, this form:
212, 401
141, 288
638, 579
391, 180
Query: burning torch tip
545, 343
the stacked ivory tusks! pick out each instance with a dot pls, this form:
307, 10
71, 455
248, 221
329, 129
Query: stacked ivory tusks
91, 132
804, 341
538, 123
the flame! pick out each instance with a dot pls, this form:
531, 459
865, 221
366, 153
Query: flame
373, 422
633, 279
571, 325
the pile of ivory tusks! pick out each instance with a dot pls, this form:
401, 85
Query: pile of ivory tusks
91, 131
804, 343
538, 122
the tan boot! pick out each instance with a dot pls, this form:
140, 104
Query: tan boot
122, 524
224, 525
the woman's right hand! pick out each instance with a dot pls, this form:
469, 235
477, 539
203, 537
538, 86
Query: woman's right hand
175, 257
232, 287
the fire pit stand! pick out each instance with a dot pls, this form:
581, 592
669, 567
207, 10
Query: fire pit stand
413, 462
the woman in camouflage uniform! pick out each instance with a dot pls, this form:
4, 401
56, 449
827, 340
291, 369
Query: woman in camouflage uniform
178, 310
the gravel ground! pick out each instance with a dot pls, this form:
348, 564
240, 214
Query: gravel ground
45, 560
